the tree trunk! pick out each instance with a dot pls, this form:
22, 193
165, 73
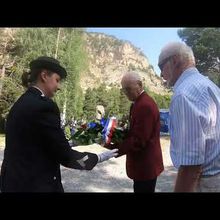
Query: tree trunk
57, 44
64, 111
2, 78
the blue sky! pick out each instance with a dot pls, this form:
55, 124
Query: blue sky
149, 40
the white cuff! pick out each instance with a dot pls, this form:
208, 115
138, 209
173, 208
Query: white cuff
99, 158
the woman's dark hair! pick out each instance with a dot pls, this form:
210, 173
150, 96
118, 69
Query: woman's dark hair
30, 78
25, 79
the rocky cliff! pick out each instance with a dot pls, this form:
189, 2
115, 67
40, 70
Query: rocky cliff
110, 58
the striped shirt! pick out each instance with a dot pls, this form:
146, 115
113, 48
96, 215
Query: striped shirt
195, 122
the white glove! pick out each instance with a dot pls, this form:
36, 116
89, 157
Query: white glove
106, 155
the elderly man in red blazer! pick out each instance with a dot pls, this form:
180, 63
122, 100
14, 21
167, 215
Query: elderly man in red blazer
142, 145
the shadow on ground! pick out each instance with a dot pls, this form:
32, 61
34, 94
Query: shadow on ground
109, 176
166, 181
105, 177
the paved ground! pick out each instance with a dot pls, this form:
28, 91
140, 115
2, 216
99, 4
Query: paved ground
110, 176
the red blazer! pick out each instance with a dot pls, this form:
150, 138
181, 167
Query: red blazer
142, 146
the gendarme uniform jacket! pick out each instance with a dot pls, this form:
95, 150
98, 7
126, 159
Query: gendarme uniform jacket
36, 146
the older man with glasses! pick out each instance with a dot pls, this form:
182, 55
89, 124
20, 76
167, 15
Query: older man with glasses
194, 121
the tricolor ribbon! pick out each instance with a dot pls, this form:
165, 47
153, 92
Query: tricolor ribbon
108, 130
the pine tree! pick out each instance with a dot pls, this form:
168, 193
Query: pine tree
89, 107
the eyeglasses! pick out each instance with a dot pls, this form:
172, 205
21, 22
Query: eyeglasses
126, 89
164, 62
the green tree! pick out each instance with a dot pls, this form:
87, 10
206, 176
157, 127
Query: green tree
162, 101
10, 92
68, 48
102, 96
113, 109
206, 48
34, 42
72, 53
89, 107
10, 87
124, 105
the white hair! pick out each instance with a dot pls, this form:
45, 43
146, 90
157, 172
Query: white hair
131, 76
176, 48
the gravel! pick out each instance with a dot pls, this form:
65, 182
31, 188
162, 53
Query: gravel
110, 176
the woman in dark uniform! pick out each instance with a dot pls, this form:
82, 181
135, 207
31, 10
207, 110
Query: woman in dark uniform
35, 143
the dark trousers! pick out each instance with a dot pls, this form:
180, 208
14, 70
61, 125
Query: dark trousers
145, 186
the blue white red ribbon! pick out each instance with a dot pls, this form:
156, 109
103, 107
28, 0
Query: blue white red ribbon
108, 130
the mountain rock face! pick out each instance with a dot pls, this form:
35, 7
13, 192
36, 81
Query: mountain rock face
110, 58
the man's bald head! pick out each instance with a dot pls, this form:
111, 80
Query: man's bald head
131, 85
